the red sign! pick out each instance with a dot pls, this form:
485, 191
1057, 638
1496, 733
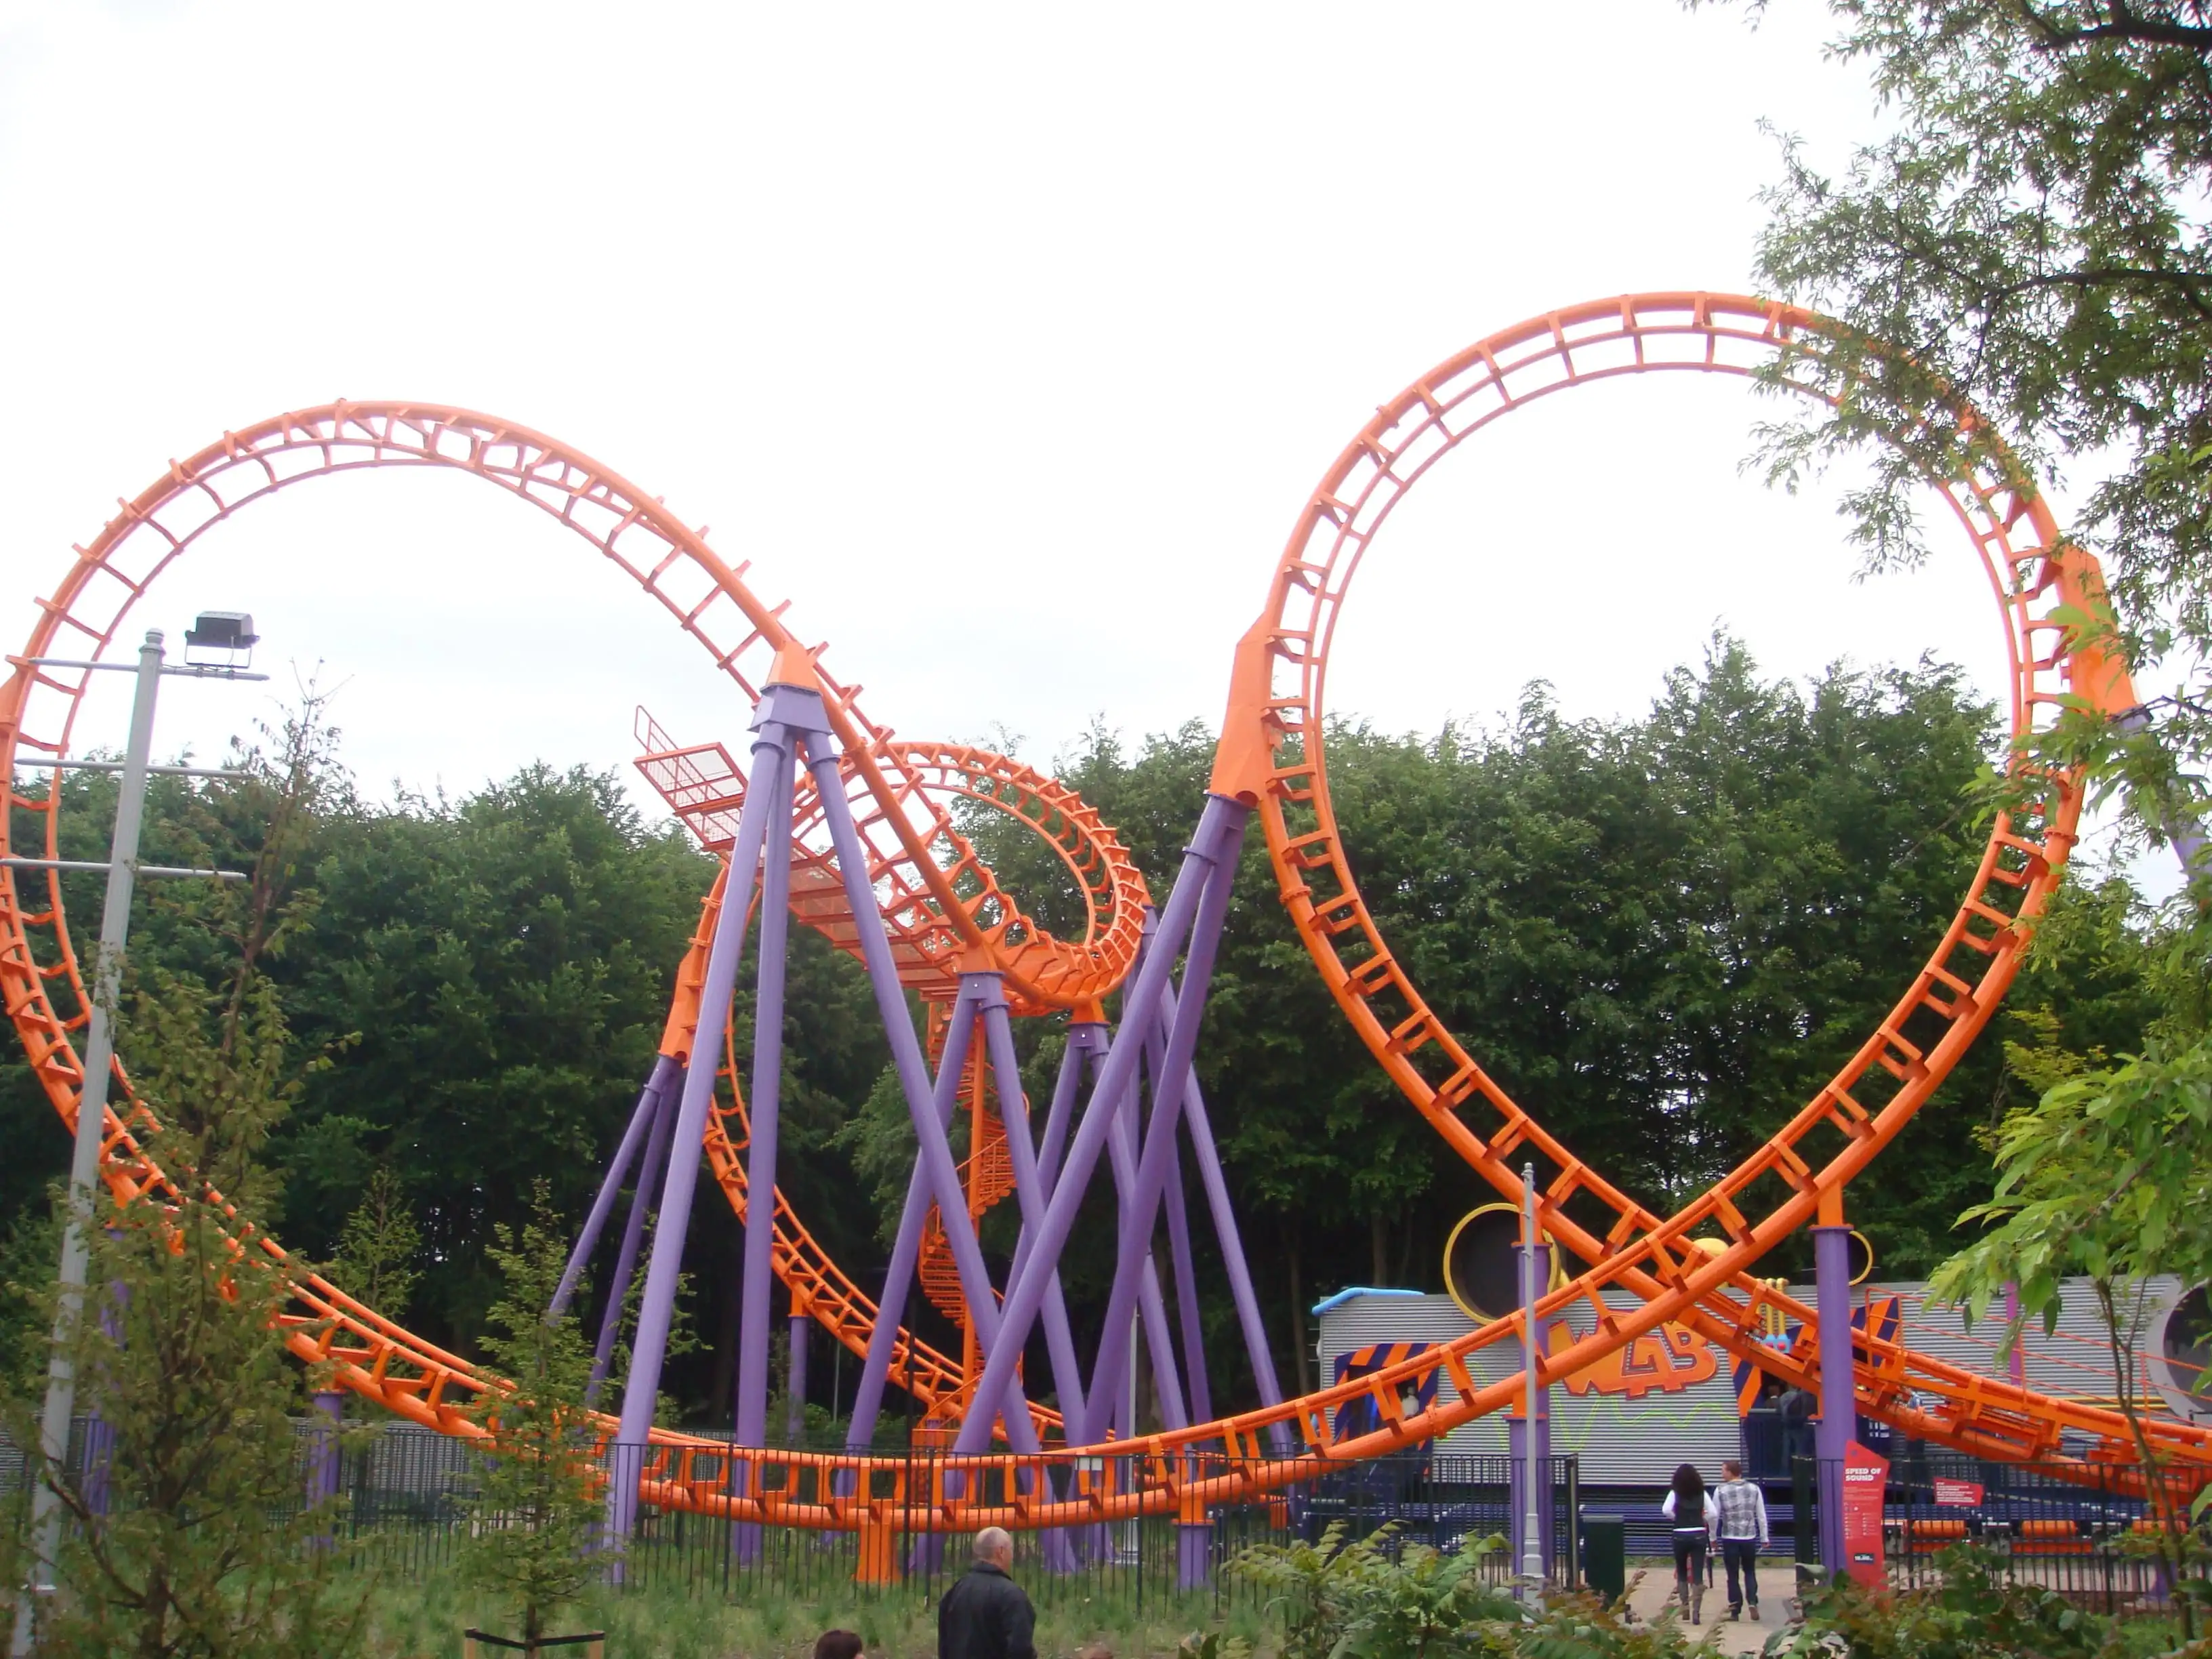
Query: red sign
1958, 1494
1866, 1479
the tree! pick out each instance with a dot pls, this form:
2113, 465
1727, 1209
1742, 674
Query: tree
2030, 235
534, 1517
378, 1247
199, 1545
2107, 1176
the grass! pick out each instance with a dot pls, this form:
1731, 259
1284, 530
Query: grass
422, 1618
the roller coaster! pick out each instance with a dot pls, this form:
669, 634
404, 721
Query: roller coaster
869, 839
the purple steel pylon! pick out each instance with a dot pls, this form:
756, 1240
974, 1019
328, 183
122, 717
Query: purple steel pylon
1130, 1095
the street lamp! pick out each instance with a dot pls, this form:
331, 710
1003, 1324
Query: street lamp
221, 633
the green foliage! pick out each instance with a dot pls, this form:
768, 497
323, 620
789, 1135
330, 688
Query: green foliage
1973, 1610
1212, 1644
378, 1247
2029, 233
534, 1518
1662, 932
1585, 1626
200, 1548
1373, 1598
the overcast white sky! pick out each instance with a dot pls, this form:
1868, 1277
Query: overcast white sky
1004, 341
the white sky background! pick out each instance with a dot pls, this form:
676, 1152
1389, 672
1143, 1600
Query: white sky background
1005, 342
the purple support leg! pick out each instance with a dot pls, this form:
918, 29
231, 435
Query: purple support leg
2018, 1366
640, 1120
758, 1272
1179, 1252
656, 1309
1151, 1305
1242, 1295
1183, 1043
1122, 1149
323, 1457
1220, 831
1186, 1284
1839, 1424
936, 1151
98, 1460
990, 997
640, 1206
905, 1248
1194, 1554
1085, 1038
795, 1425
1031, 1193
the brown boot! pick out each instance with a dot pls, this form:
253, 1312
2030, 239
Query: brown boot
1698, 1603
1682, 1597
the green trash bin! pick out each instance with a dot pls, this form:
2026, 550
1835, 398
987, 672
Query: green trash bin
1604, 1554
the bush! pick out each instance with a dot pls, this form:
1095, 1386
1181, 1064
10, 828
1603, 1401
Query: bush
1972, 1612
1368, 1599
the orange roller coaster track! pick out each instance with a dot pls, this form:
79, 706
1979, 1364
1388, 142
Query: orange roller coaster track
1271, 757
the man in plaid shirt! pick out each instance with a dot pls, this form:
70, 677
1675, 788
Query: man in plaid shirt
1742, 1530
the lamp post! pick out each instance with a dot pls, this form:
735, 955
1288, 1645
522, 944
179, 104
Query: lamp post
230, 636
1532, 1543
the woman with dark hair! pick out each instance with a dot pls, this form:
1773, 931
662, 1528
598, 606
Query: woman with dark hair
1693, 1512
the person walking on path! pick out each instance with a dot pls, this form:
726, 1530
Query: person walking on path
1691, 1508
1742, 1532
986, 1614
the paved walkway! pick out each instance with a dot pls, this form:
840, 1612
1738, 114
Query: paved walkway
1777, 1585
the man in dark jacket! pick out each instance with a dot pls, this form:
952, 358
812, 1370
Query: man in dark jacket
987, 1615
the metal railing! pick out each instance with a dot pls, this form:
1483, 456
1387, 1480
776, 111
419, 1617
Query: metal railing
404, 1501
2096, 1543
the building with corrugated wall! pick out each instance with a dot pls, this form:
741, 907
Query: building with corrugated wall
1670, 1397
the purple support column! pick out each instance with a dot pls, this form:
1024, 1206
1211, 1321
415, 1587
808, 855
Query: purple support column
1121, 1146
1186, 1283
990, 997
323, 1457
1086, 1038
757, 1274
936, 1151
1194, 1554
763, 1107
640, 1206
1839, 1422
99, 1460
1220, 831
1031, 1193
1180, 1260
640, 1120
2012, 1325
657, 1307
1241, 1293
794, 1426
905, 1248
1183, 1043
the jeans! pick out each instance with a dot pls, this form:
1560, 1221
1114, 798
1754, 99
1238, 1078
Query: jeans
1741, 1552
1689, 1555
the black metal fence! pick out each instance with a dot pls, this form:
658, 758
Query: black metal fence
2095, 1542
403, 1501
